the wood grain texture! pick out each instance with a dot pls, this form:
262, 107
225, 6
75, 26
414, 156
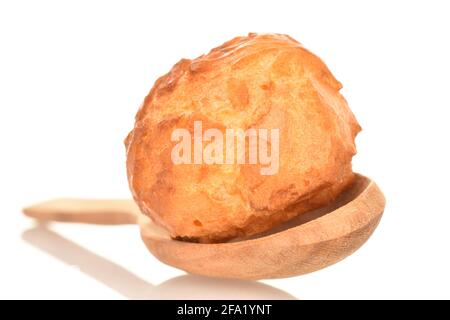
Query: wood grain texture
324, 238
93, 211
311, 242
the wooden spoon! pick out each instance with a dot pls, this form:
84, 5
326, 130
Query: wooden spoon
310, 242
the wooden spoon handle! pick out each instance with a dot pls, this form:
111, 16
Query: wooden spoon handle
95, 211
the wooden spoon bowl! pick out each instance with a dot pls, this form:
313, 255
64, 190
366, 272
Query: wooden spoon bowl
308, 243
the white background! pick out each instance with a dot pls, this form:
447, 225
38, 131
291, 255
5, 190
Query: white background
73, 73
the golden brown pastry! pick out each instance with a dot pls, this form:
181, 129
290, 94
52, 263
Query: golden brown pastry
260, 81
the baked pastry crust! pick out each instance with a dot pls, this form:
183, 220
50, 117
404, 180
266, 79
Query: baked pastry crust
257, 81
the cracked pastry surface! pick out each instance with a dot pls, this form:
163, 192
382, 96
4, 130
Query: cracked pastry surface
258, 81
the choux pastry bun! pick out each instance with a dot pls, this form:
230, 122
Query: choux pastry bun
265, 82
